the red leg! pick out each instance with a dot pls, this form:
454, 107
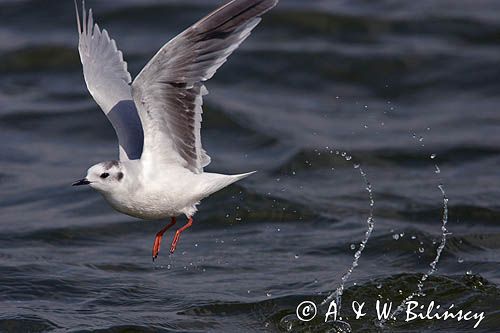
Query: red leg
159, 235
178, 234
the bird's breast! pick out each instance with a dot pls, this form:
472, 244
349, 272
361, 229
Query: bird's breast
154, 202
147, 206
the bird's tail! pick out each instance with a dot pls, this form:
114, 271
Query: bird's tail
217, 182
235, 178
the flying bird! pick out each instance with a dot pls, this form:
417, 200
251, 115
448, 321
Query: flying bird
157, 116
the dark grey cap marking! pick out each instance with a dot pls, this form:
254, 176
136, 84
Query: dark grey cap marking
110, 164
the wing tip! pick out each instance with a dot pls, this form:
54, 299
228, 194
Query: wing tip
78, 18
248, 9
271, 4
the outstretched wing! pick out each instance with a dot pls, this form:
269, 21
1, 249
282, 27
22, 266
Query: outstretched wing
108, 82
168, 92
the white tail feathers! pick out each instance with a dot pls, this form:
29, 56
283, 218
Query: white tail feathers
243, 175
228, 180
217, 182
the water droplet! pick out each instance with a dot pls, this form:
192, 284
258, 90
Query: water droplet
356, 166
460, 260
268, 294
437, 169
413, 237
353, 247
343, 154
297, 256
395, 236
238, 219
433, 156
421, 249
348, 158
379, 286
365, 126
469, 273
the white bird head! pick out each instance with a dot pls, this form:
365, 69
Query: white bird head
103, 177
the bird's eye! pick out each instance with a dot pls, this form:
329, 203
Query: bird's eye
105, 175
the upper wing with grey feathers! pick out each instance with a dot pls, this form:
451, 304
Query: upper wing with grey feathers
168, 92
108, 82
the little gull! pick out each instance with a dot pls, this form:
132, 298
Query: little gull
157, 117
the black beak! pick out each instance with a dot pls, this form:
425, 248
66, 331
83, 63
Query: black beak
81, 182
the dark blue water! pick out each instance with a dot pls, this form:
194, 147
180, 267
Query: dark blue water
388, 82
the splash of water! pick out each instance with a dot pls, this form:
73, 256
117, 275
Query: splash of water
337, 294
433, 264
